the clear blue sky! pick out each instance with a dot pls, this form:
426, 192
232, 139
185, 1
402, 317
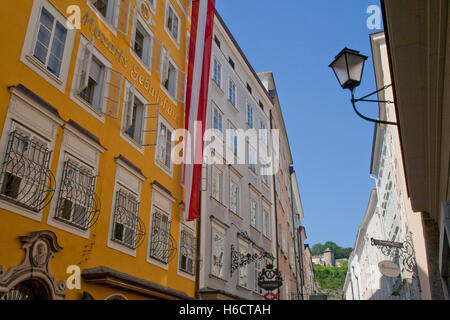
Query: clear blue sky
331, 146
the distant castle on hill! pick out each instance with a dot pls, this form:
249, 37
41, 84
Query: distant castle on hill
325, 259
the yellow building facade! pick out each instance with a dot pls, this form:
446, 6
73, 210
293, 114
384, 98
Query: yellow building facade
90, 93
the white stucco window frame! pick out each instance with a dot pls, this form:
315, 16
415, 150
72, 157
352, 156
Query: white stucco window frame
27, 113
130, 180
133, 143
182, 273
169, 32
137, 18
163, 203
59, 82
218, 227
75, 97
111, 25
81, 149
168, 171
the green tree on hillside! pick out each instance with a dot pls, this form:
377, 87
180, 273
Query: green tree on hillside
339, 252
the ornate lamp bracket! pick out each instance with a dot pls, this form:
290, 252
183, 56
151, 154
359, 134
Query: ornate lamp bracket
404, 250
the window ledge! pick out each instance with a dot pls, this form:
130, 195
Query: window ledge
41, 67
132, 142
87, 107
172, 37
236, 215
218, 88
141, 62
218, 202
243, 288
103, 19
255, 229
217, 278
168, 94
234, 107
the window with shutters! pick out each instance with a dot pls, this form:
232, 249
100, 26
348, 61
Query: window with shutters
96, 85
164, 147
187, 252
172, 22
134, 117
169, 75
107, 8
173, 80
25, 171
142, 41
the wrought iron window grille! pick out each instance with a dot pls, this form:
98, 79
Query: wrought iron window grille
163, 245
26, 179
78, 204
187, 252
129, 229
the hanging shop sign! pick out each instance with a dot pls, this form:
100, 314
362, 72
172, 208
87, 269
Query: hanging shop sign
389, 269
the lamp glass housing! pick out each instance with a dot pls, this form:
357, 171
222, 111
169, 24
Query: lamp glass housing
348, 67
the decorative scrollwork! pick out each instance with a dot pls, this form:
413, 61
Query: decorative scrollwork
25, 177
129, 229
404, 250
239, 259
163, 245
78, 204
270, 278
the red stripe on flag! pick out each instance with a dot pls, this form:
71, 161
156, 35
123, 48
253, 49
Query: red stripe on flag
194, 206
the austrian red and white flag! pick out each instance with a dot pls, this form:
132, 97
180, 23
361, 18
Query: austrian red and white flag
202, 24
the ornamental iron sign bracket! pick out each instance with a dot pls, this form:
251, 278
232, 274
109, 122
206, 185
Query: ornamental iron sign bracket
270, 279
405, 250
239, 259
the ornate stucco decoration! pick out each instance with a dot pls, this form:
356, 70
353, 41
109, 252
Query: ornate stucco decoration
40, 247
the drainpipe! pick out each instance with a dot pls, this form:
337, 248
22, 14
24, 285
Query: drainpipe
275, 205
302, 269
291, 172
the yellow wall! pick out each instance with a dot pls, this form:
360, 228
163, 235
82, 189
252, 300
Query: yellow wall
14, 21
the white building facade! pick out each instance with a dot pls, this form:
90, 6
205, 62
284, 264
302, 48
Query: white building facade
237, 214
389, 216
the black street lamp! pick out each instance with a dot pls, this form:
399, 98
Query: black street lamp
348, 67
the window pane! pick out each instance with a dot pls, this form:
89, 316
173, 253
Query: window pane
47, 19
